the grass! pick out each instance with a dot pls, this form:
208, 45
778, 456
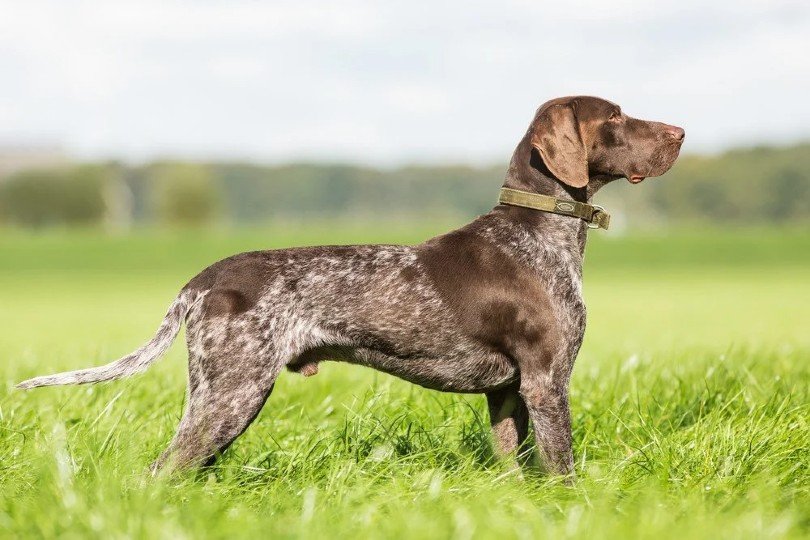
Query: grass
690, 405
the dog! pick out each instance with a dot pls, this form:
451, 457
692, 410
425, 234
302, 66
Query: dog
494, 307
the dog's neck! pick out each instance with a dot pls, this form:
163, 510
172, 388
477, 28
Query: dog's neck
528, 172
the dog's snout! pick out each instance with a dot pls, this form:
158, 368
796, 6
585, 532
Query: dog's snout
675, 132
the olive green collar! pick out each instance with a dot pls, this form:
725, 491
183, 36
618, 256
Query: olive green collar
594, 215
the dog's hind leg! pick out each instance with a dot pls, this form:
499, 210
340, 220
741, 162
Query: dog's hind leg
219, 409
228, 385
510, 420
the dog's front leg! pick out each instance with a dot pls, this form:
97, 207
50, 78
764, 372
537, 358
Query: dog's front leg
547, 403
509, 418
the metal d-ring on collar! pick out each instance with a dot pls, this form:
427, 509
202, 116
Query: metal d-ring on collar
596, 221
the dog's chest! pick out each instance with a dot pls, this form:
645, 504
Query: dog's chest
555, 260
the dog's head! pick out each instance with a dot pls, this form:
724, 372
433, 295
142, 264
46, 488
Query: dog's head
582, 137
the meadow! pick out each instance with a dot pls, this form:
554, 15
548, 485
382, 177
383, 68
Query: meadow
689, 401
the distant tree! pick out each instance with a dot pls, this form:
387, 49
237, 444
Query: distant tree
750, 185
788, 197
84, 202
54, 197
184, 194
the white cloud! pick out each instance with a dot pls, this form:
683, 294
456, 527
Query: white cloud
389, 81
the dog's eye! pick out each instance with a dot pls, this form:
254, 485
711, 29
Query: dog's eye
615, 116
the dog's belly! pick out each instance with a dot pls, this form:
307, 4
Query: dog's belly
473, 373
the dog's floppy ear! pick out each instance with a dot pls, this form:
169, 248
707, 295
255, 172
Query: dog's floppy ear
555, 134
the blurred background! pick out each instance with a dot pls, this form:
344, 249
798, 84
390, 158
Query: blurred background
126, 114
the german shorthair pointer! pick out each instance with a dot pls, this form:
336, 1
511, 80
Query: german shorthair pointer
494, 307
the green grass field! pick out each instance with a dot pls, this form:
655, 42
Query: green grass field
690, 405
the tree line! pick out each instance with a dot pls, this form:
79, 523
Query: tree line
743, 186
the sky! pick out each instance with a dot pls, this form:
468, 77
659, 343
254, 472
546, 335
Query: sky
389, 82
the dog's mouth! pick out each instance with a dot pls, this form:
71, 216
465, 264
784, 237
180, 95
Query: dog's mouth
657, 164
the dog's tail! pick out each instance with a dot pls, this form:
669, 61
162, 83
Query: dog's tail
134, 362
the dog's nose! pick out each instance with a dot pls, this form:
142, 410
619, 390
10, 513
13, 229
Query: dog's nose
676, 133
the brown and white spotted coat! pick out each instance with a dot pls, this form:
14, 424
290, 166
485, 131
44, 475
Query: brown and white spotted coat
494, 307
